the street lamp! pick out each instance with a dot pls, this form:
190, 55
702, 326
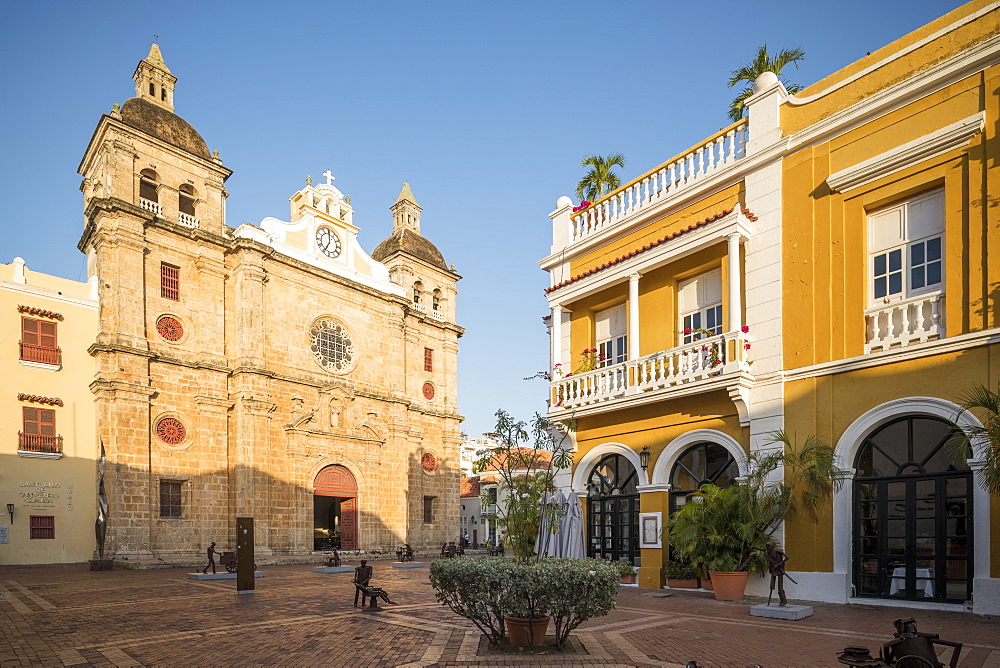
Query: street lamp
644, 455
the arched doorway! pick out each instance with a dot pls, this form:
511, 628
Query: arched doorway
700, 464
335, 510
613, 510
912, 514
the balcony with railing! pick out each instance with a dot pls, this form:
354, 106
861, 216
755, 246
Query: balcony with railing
41, 354
187, 220
710, 157
903, 323
151, 206
39, 443
657, 375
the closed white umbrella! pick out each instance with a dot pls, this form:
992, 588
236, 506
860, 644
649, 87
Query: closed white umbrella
571, 529
546, 543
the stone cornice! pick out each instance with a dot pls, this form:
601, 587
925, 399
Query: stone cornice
905, 155
108, 205
97, 348
121, 387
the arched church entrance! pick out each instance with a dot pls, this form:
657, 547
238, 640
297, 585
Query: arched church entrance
335, 510
913, 514
613, 510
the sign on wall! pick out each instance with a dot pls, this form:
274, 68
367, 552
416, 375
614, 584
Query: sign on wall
650, 530
3, 535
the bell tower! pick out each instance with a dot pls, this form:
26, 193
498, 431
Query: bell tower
406, 212
153, 81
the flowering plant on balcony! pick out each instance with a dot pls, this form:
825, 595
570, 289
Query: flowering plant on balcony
714, 356
583, 205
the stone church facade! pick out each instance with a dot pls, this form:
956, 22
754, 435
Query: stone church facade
275, 371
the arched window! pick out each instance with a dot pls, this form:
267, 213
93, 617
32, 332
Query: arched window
700, 464
186, 199
913, 513
418, 291
436, 300
148, 181
613, 510
152, 89
163, 94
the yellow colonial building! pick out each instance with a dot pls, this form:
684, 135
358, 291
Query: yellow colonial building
828, 266
47, 443
274, 371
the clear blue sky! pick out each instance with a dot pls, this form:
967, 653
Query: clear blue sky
485, 108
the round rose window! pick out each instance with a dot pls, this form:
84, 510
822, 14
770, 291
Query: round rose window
170, 328
428, 462
428, 391
331, 344
171, 431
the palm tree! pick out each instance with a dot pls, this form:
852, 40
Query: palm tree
762, 63
988, 402
600, 180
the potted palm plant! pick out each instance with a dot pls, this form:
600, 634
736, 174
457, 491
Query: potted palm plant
723, 529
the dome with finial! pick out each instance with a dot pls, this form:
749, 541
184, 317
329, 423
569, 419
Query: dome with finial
406, 233
152, 109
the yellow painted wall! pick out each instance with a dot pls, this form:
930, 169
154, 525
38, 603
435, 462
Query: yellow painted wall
825, 235
828, 405
796, 118
62, 488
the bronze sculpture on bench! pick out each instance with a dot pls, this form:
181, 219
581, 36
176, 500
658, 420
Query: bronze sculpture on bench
333, 559
405, 553
362, 588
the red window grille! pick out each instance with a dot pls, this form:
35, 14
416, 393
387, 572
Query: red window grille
170, 282
170, 498
428, 510
38, 341
428, 359
42, 526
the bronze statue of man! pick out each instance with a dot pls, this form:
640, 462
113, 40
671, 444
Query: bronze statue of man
211, 558
362, 576
776, 560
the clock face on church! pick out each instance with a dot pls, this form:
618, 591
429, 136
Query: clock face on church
328, 242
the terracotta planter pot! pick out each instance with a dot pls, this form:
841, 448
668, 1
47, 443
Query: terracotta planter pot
526, 632
628, 579
706, 583
683, 584
729, 586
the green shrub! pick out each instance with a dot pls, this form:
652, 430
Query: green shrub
485, 590
624, 568
679, 570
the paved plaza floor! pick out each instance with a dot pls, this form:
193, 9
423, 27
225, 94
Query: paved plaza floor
68, 615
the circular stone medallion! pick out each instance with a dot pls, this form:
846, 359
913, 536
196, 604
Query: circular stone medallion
171, 431
170, 328
428, 462
428, 391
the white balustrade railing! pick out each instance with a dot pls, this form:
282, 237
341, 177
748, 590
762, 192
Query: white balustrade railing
901, 323
437, 315
715, 153
590, 387
417, 306
150, 205
723, 353
718, 355
187, 220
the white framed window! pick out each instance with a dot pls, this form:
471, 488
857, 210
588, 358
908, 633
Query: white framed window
611, 337
906, 249
699, 303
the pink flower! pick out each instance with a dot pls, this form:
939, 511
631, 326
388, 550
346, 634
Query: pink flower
687, 330
746, 346
745, 328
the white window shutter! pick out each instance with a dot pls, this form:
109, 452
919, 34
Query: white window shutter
886, 229
925, 216
710, 284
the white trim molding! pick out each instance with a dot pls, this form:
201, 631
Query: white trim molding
906, 155
581, 472
846, 451
676, 447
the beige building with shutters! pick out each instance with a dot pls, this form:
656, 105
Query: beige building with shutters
276, 371
47, 441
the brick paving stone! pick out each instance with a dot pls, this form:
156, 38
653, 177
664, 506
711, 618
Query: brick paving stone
68, 615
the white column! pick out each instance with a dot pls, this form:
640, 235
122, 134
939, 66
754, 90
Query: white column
556, 337
633, 317
735, 285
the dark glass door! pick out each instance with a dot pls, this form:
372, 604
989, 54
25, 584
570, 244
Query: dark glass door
613, 511
913, 538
